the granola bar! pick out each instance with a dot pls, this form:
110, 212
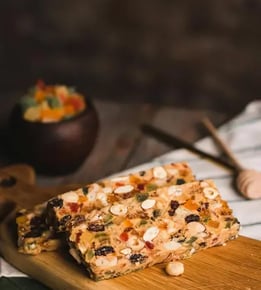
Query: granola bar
165, 224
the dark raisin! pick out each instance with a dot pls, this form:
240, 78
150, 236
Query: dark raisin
206, 205
202, 244
156, 213
142, 173
174, 204
137, 258
142, 196
8, 182
85, 190
171, 212
56, 202
78, 219
36, 221
34, 233
180, 181
96, 227
103, 251
192, 218
65, 219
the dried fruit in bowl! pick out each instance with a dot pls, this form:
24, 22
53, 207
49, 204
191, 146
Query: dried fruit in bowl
51, 103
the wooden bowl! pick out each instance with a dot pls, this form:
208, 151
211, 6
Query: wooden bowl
53, 148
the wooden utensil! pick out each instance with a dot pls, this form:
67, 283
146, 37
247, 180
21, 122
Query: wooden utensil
236, 266
248, 181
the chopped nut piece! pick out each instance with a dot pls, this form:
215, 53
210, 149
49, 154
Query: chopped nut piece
210, 192
148, 203
174, 190
124, 189
135, 243
106, 262
118, 209
159, 172
150, 234
126, 251
70, 196
175, 268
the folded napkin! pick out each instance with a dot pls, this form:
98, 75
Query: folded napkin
243, 135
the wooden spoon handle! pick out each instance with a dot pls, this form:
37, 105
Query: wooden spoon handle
212, 130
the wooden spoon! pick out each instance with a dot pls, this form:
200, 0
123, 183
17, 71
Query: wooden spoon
248, 181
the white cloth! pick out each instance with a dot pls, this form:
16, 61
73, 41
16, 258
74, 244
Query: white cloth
243, 135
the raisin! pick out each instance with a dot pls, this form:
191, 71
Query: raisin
103, 251
8, 182
78, 219
142, 173
96, 227
174, 204
180, 181
34, 233
156, 213
137, 258
65, 219
36, 221
56, 202
202, 244
192, 218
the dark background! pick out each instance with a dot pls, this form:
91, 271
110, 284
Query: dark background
188, 53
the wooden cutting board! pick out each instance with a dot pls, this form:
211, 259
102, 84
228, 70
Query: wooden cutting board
234, 266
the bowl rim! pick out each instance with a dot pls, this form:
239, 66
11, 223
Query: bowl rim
88, 109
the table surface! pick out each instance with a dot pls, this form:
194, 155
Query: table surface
120, 144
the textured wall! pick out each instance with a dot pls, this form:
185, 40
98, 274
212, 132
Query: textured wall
188, 52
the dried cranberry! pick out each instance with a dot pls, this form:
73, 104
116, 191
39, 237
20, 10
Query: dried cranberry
56, 202
95, 227
192, 218
140, 186
149, 245
74, 206
124, 236
137, 258
103, 251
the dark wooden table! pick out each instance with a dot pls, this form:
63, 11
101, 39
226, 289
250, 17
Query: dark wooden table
120, 145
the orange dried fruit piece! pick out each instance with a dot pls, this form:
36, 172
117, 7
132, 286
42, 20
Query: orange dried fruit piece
39, 96
213, 224
190, 204
50, 115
